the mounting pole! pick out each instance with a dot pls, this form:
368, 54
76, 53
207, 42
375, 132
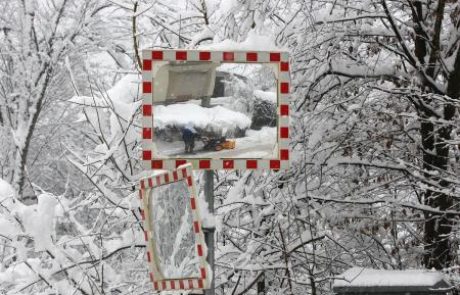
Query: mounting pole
209, 232
208, 178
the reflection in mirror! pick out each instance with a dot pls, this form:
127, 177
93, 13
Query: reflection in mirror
226, 110
171, 223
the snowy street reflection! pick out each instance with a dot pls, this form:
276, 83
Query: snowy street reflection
171, 223
230, 111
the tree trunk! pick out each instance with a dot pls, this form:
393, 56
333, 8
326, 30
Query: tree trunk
438, 227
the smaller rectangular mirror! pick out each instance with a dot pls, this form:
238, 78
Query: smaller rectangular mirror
176, 251
171, 224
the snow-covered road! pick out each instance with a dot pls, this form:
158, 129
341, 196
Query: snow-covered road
257, 144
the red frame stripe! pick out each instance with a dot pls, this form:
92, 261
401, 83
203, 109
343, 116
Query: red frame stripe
175, 177
146, 87
251, 164
205, 164
147, 65
284, 66
142, 214
275, 56
203, 273
228, 56
196, 226
157, 55
181, 55
284, 132
147, 110
157, 164
284, 110
147, 133
205, 55
275, 164
229, 164
180, 162
284, 87
251, 56
284, 154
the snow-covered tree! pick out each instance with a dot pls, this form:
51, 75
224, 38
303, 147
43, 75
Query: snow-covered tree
374, 126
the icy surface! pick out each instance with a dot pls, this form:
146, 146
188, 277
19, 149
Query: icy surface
172, 221
364, 277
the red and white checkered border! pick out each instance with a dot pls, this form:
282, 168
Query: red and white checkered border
182, 173
151, 56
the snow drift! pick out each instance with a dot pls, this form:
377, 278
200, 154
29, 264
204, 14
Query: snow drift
217, 119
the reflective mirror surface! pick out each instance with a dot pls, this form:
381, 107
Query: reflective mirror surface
171, 223
212, 110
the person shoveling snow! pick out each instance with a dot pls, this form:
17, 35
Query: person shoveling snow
188, 135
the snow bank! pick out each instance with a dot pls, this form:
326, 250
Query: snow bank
216, 118
265, 135
266, 95
364, 277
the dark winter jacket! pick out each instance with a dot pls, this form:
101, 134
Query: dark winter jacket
188, 135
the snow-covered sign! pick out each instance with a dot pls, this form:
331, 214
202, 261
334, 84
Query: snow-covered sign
215, 109
176, 250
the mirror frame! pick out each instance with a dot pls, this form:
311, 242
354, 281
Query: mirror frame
281, 59
160, 283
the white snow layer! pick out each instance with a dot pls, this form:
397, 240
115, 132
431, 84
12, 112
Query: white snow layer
266, 95
365, 277
6, 190
216, 118
254, 41
40, 223
122, 99
19, 273
126, 90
